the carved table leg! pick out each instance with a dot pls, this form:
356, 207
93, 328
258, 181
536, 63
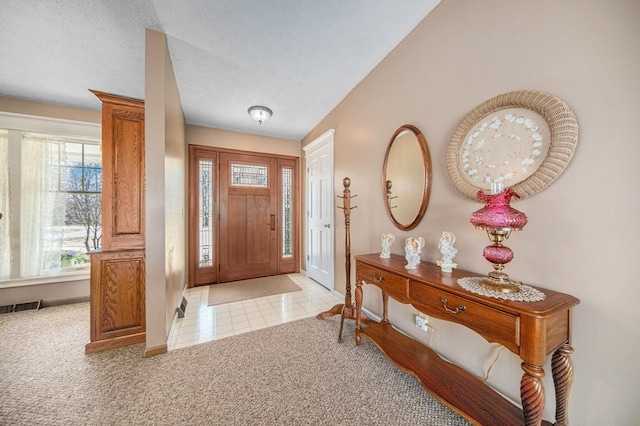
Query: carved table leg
343, 313
358, 310
562, 368
532, 394
385, 308
335, 310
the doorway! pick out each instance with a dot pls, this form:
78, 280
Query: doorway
320, 210
243, 215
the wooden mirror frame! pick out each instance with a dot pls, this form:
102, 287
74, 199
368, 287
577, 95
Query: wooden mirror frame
563, 128
426, 192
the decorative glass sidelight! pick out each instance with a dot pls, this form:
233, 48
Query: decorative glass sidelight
249, 175
205, 213
287, 200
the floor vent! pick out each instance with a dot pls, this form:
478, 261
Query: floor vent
20, 307
182, 307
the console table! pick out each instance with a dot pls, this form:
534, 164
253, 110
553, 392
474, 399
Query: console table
531, 330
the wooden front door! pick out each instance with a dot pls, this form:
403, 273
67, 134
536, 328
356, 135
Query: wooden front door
243, 215
248, 216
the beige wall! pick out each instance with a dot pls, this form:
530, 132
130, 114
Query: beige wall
165, 192
198, 135
40, 109
175, 195
463, 53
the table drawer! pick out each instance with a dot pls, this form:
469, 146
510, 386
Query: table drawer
493, 324
394, 285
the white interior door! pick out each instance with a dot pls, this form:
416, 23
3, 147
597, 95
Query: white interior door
320, 210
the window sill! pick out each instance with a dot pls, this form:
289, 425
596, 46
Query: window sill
74, 275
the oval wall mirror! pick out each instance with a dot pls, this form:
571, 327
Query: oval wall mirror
406, 177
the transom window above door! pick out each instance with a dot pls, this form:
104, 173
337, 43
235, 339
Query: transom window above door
249, 175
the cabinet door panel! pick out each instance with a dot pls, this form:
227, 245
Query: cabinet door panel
117, 294
123, 175
127, 184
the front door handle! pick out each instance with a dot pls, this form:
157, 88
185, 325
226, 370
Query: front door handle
272, 222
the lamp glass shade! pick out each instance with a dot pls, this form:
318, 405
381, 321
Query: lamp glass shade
497, 213
260, 113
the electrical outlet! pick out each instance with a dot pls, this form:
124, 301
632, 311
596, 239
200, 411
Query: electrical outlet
422, 322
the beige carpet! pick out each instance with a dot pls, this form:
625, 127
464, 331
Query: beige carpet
250, 289
294, 374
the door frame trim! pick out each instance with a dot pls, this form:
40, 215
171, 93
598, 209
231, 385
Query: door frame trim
290, 265
320, 142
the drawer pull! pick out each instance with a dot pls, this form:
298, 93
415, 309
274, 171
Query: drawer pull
377, 278
459, 308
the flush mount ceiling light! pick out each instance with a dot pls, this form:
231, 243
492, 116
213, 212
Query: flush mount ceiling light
260, 113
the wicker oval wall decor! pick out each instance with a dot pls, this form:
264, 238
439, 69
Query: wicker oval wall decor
523, 138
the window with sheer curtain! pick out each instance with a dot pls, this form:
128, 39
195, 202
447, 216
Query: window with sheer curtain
5, 243
59, 217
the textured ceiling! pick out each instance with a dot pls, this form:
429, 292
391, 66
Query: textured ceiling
299, 58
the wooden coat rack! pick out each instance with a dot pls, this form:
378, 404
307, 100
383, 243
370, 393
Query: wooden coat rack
347, 309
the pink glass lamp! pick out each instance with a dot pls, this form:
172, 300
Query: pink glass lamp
498, 218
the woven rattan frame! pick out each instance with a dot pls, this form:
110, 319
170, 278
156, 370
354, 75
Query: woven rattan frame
563, 128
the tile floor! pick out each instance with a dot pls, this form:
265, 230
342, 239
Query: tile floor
202, 323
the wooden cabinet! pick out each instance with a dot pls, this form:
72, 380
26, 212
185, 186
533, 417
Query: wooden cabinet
531, 330
118, 271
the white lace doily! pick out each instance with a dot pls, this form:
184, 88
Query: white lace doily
526, 293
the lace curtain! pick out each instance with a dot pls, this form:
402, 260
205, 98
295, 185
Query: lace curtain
5, 242
42, 209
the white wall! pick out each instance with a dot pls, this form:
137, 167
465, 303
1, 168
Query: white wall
463, 53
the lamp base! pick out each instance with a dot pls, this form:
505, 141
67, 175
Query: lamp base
500, 282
